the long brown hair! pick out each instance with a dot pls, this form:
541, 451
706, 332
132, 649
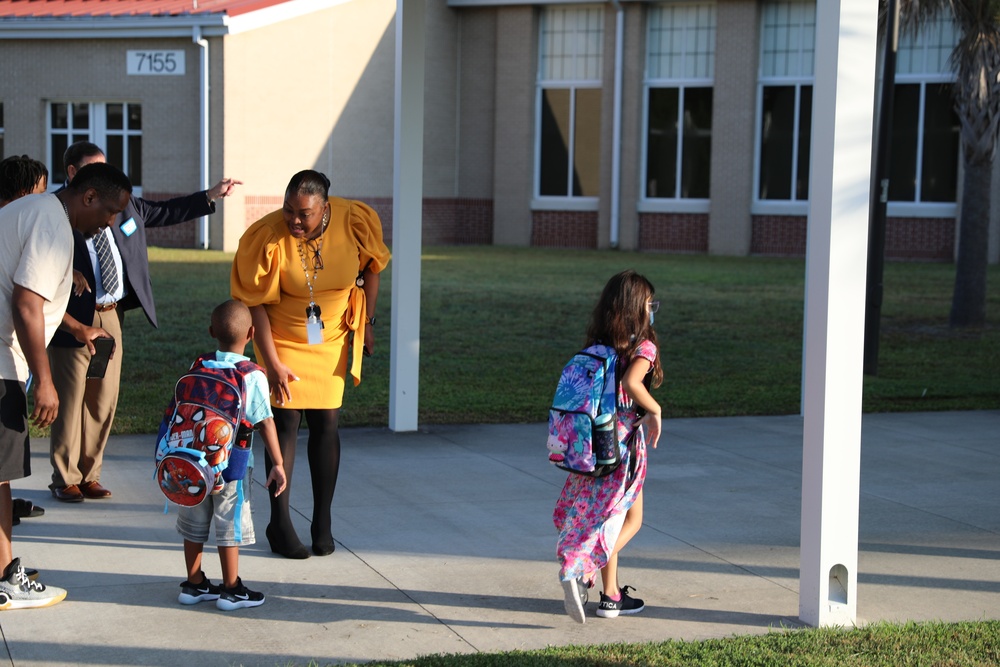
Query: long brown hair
621, 318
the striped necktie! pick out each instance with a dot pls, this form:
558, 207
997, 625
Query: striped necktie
106, 263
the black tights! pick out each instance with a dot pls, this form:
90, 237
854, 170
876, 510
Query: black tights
323, 450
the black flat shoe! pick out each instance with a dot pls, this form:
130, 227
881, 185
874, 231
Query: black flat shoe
322, 545
295, 552
324, 548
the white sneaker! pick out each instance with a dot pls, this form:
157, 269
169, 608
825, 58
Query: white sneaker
574, 598
17, 591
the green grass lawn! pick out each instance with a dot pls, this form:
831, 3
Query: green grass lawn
497, 324
877, 645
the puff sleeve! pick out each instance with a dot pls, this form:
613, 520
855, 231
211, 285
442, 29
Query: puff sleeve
256, 267
367, 230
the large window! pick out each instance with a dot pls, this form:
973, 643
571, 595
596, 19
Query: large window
788, 38
569, 102
114, 126
680, 63
925, 129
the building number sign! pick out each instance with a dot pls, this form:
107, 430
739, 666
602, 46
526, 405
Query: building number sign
162, 63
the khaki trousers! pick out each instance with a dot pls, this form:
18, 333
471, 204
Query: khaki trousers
86, 407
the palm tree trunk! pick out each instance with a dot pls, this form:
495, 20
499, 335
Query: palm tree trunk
968, 304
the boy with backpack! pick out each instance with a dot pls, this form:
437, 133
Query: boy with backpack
229, 509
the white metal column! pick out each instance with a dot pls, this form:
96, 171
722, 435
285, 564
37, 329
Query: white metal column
407, 202
836, 258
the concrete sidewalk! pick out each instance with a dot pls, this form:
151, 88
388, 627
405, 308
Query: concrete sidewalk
445, 544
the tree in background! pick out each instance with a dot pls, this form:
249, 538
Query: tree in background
976, 63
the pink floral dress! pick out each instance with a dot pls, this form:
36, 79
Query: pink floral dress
590, 511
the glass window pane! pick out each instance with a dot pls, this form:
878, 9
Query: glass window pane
788, 34
571, 43
115, 117
805, 133
114, 151
939, 172
661, 143
903, 150
134, 167
696, 158
60, 143
135, 116
587, 144
81, 116
553, 170
59, 113
776, 142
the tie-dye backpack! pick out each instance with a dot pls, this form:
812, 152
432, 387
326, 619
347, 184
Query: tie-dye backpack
587, 388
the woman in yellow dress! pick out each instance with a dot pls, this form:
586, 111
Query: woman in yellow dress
310, 275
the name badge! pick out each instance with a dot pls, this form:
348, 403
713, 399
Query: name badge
128, 227
314, 325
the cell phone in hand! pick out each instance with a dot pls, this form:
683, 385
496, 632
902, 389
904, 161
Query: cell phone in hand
103, 347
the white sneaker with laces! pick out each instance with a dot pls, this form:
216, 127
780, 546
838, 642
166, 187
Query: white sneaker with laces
575, 596
18, 591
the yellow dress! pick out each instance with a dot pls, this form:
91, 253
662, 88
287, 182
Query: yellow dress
268, 271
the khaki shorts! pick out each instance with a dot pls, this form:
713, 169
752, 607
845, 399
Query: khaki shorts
229, 510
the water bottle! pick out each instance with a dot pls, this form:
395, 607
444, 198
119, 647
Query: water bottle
605, 445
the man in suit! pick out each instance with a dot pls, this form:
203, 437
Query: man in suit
111, 276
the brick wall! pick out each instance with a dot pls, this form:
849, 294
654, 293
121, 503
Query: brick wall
920, 238
184, 235
674, 232
446, 221
778, 235
930, 239
564, 229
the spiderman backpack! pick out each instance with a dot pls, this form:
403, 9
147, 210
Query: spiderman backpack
204, 439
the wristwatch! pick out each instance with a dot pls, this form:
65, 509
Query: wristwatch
370, 320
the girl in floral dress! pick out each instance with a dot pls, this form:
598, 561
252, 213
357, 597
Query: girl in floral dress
597, 516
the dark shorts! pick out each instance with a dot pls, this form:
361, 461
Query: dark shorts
15, 457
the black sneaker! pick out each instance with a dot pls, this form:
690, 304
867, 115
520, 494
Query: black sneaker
575, 597
195, 593
626, 605
238, 597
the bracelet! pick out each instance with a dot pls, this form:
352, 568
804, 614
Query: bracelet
370, 320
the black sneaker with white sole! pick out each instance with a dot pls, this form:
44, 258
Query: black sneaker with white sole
626, 605
238, 597
195, 593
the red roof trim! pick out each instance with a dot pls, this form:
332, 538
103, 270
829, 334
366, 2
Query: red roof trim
108, 8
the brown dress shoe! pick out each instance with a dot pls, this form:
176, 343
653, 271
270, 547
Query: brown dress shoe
94, 491
67, 494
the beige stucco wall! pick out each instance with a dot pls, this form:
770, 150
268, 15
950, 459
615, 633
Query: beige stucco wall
631, 131
733, 118
514, 134
315, 92
477, 103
